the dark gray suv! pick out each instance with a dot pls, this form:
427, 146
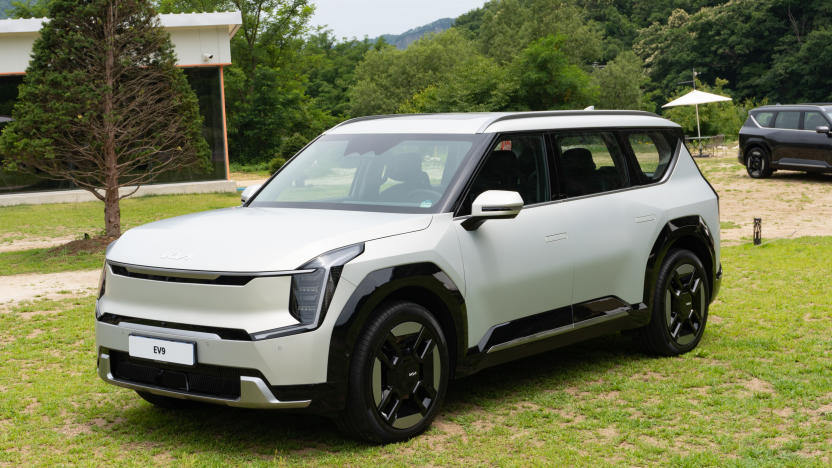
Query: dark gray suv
795, 137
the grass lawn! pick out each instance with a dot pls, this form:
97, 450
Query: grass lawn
75, 219
757, 392
48, 261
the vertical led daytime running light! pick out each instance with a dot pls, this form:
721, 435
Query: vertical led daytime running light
312, 292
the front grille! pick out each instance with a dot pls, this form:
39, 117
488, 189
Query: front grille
201, 379
226, 280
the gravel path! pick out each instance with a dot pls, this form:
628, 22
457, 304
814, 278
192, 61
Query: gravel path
16, 288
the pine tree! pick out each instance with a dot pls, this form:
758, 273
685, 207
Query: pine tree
103, 104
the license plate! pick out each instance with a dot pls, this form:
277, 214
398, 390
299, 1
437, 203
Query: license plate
177, 352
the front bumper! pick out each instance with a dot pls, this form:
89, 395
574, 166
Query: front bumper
254, 393
289, 372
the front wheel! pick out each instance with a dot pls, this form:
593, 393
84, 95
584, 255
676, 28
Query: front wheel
679, 305
757, 163
398, 375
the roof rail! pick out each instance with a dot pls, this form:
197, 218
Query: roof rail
566, 113
371, 117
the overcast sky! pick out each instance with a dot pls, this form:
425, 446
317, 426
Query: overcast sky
372, 18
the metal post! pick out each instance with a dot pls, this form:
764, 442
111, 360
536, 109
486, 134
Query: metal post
758, 231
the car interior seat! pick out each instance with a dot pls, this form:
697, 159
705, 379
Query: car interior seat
406, 169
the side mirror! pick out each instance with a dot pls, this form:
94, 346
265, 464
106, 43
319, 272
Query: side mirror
248, 192
822, 129
493, 204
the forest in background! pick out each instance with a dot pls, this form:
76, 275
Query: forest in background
290, 81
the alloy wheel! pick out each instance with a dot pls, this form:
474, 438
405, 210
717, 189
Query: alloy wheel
685, 304
406, 374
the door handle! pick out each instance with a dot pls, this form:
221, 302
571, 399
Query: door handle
645, 219
555, 237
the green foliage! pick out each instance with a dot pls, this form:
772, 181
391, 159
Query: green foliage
620, 82
546, 79
388, 78
774, 49
288, 147
509, 26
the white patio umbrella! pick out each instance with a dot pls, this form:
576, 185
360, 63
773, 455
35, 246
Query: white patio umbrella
694, 98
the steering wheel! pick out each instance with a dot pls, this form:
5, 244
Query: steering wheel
424, 194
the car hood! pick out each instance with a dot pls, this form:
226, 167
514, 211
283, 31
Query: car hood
255, 239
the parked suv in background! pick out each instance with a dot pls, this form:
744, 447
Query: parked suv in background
795, 137
395, 253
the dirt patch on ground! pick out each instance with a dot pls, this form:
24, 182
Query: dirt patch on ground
16, 288
243, 179
33, 243
85, 245
790, 204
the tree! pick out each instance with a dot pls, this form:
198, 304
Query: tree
546, 80
620, 82
103, 104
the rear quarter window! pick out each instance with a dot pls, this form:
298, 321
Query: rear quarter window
765, 119
653, 152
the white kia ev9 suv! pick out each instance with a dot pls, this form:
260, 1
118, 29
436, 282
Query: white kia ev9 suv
395, 253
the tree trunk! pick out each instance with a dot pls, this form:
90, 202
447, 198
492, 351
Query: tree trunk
112, 211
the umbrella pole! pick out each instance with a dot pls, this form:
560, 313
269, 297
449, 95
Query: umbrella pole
698, 131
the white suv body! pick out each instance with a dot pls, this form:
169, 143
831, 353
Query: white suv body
394, 253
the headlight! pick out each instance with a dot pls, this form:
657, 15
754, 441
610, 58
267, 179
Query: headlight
312, 292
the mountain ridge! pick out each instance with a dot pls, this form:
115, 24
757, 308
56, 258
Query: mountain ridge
401, 41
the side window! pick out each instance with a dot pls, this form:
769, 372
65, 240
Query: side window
653, 152
813, 120
516, 163
765, 119
788, 120
591, 163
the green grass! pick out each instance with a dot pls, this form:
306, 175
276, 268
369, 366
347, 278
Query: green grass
48, 261
257, 168
75, 219
729, 225
757, 392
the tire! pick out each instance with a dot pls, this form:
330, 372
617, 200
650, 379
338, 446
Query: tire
680, 302
168, 403
398, 375
758, 163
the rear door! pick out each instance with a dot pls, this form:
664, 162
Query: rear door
611, 223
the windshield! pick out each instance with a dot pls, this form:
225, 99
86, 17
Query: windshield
404, 173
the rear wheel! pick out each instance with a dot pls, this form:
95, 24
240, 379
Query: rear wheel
680, 305
398, 375
757, 163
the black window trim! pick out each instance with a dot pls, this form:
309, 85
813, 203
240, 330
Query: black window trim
460, 199
677, 135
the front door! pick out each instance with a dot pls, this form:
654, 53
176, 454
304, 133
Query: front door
817, 147
516, 268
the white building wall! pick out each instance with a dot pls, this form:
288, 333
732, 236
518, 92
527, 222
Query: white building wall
198, 39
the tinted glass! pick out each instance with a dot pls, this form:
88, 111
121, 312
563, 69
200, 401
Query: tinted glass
401, 173
517, 163
652, 152
591, 163
764, 118
813, 120
788, 120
